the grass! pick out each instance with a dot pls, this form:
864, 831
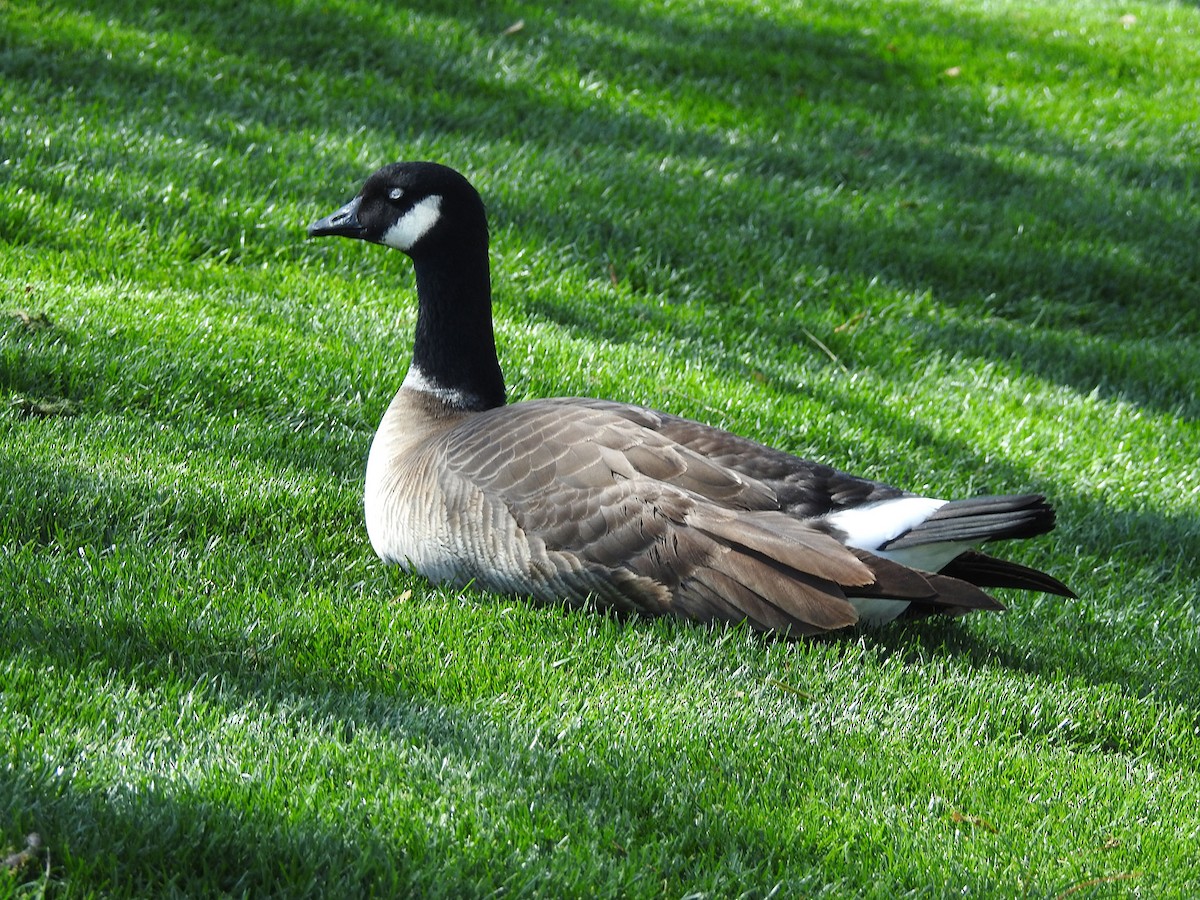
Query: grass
948, 245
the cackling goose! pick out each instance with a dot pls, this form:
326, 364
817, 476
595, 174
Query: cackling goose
570, 499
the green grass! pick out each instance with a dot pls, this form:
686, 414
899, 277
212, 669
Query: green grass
948, 245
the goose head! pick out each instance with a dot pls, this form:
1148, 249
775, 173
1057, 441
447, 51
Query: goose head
434, 215
418, 208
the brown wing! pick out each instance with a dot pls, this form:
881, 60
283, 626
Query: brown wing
801, 488
616, 510
806, 489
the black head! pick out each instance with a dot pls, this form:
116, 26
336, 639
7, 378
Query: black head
415, 207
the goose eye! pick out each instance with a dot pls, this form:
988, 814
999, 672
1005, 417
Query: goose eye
395, 194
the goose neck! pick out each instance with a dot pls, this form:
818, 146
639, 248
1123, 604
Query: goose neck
454, 349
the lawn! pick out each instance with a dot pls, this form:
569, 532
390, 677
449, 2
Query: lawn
950, 245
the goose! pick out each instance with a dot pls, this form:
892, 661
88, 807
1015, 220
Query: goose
578, 500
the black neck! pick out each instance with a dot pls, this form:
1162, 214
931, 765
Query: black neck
454, 346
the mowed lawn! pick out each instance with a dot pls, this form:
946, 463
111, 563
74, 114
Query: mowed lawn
950, 245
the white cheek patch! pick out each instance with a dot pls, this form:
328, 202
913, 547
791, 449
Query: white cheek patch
414, 225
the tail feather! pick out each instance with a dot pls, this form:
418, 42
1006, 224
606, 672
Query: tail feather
979, 519
935, 589
988, 571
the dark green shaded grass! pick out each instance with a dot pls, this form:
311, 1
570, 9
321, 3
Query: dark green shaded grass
952, 247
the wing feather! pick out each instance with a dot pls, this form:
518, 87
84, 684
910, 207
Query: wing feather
661, 515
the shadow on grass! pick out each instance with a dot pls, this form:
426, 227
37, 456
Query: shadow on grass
873, 125
152, 842
880, 122
32, 354
880, 125
228, 833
